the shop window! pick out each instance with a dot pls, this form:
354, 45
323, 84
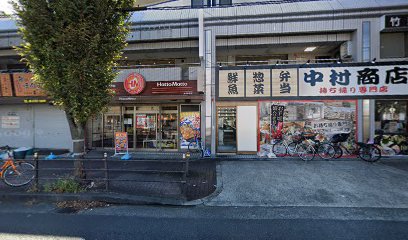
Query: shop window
323, 118
391, 117
391, 126
394, 45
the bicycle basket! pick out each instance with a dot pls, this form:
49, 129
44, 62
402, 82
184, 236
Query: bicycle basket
309, 135
340, 137
296, 138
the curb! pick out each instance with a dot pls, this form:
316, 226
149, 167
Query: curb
103, 197
216, 192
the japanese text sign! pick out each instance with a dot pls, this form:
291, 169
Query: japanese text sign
284, 82
231, 83
395, 22
354, 81
24, 85
258, 83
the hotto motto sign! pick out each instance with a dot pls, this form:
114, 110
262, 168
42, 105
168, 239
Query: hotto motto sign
134, 83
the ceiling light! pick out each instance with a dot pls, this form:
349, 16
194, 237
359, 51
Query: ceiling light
310, 49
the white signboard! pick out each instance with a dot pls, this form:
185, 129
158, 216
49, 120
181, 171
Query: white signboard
10, 122
354, 81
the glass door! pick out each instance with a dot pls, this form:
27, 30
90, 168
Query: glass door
111, 125
129, 125
169, 127
146, 127
227, 132
146, 130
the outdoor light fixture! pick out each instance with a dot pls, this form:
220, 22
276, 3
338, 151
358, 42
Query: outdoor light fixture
310, 49
373, 61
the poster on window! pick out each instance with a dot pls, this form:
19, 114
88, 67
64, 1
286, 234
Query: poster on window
189, 127
323, 118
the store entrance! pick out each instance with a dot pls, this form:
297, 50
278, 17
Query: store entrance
151, 127
227, 131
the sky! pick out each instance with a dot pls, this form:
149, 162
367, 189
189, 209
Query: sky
5, 6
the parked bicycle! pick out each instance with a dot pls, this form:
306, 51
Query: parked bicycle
16, 173
282, 147
310, 146
366, 151
196, 146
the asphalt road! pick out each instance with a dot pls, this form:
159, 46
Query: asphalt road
142, 222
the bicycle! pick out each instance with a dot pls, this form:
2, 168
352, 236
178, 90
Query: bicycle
366, 151
196, 146
309, 147
282, 148
16, 173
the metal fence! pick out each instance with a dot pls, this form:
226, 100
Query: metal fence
143, 176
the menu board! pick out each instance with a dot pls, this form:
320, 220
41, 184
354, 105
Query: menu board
5, 85
25, 87
121, 142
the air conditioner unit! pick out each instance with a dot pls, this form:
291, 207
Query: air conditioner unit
346, 49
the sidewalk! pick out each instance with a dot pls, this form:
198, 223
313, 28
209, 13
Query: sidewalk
347, 183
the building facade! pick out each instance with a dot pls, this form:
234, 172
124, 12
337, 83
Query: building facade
232, 70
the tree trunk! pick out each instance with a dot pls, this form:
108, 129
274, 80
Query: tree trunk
78, 146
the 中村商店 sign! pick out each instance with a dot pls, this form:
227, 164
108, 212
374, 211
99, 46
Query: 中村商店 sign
313, 81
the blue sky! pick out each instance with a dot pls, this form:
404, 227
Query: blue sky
5, 6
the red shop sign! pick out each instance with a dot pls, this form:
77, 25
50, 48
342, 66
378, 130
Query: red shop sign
134, 83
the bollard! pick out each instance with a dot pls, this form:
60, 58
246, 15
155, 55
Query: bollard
36, 169
105, 159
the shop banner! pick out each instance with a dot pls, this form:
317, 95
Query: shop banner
258, 83
5, 83
284, 82
24, 85
121, 142
337, 80
354, 81
231, 83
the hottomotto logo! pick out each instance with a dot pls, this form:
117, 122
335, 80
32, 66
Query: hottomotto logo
171, 84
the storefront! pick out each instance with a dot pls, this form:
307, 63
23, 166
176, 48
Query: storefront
26, 113
324, 99
156, 115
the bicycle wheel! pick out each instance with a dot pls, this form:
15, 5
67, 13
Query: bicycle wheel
326, 151
21, 175
306, 151
279, 149
369, 153
292, 149
338, 152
